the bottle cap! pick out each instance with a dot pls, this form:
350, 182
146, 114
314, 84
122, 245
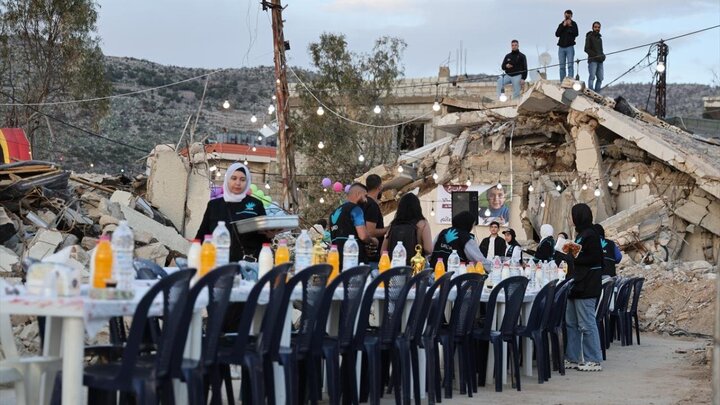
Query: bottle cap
105, 237
384, 252
196, 241
221, 222
283, 241
266, 245
333, 247
440, 259
208, 237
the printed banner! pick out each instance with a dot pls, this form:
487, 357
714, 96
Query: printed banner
493, 203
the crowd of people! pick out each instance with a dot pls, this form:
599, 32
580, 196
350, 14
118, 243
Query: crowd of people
515, 68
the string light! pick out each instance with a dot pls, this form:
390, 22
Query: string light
610, 183
633, 179
277, 81
660, 67
226, 104
245, 162
253, 119
377, 109
92, 165
531, 188
432, 209
577, 86
503, 97
254, 149
267, 185
212, 168
435, 176
361, 157
597, 191
324, 190
400, 169
542, 203
321, 145
468, 182
558, 187
436, 106
271, 109
487, 212
320, 111
259, 138
584, 186
122, 170
499, 186
322, 200
274, 97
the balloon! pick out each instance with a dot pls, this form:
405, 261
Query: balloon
347, 189
253, 187
326, 182
337, 187
259, 194
266, 200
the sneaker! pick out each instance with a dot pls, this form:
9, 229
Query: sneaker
571, 365
590, 366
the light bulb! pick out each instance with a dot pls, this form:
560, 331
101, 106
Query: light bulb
577, 86
597, 192
400, 169
259, 137
226, 104
558, 187
468, 183
324, 190
245, 162
361, 157
432, 212
254, 149
253, 119
531, 188
92, 165
436, 106
321, 145
499, 186
610, 183
122, 170
487, 212
274, 97
277, 81
377, 109
435, 176
213, 168
660, 67
271, 109
542, 204
267, 186
503, 97
633, 179
320, 111
584, 186
322, 200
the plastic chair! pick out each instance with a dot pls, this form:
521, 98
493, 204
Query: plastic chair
32, 376
602, 313
372, 341
633, 314
618, 317
556, 322
332, 345
436, 311
129, 374
252, 352
537, 323
456, 334
514, 290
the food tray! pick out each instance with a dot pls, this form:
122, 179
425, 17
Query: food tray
267, 223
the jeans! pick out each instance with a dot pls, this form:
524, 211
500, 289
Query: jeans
583, 338
566, 56
507, 79
595, 71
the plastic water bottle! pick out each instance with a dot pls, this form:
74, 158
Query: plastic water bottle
265, 260
194, 255
221, 239
454, 263
303, 251
123, 246
351, 253
399, 256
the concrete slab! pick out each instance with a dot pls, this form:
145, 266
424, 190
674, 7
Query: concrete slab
8, 260
44, 243
167, 185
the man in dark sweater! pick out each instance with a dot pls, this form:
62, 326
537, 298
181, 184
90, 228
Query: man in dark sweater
596, 57
566, 32
583, 341
515, 67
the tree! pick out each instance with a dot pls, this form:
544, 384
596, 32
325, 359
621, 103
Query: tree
48, 53
350, 84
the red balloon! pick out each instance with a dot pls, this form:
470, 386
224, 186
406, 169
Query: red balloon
337, 187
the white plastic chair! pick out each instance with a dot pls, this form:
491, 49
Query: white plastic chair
33, 376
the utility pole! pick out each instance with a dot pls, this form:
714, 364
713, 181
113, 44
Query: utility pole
661, 86
286, 144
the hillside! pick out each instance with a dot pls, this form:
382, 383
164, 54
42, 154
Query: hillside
150, 118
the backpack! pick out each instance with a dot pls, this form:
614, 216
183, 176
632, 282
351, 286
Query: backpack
405, 233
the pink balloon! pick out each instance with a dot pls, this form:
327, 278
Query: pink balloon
347, 189
326, 182
337, 187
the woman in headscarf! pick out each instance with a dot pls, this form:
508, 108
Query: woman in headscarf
583, 341
514, 250
235, 204
546, 247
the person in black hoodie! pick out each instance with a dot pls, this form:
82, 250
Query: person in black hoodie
566, 32
611, 253
596, 57
583, 341
515, 67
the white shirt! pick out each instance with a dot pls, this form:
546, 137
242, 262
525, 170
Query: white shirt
491, 247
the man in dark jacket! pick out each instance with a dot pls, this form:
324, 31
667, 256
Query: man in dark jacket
515, 67
566, 32
583, 341
596, 57
493, 245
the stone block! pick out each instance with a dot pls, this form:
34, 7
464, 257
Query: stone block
164, 234
142, 236
89, 243
9, 261
108, 219
44, 243
154, 251
123, 198
167, 186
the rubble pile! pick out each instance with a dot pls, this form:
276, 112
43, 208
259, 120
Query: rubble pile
678, 298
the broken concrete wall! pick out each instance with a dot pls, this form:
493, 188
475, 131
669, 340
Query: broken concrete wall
167, 185
198, 196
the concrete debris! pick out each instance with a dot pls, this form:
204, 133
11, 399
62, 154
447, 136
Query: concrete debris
9, 261
155, 252
44, 244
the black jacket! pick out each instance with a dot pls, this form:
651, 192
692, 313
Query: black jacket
519, 64
566, 35
220, 210
594, 47
500, 246
587, 269
545, 249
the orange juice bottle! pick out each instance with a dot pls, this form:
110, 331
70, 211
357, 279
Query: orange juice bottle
207, 256
282, 254
384, 264
333, 259
439, 268
103, 263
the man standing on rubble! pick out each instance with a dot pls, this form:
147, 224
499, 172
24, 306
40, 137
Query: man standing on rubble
566, 32
515, 67
596, 57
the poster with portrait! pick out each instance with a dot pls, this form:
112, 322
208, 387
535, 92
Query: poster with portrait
493, 203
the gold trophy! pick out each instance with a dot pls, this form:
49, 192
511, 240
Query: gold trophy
418, 261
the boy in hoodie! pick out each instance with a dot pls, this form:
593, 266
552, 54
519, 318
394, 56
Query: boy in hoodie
583, 340
596, 57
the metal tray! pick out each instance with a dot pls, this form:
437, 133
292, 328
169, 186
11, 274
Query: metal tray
266, 223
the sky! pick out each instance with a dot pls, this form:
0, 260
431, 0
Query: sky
235, 34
